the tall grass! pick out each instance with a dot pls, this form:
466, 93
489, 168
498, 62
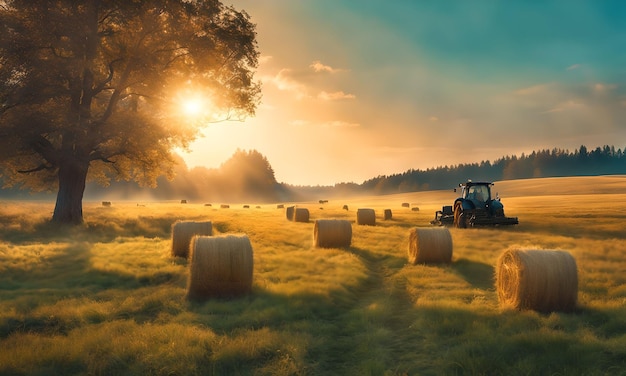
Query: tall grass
107, 298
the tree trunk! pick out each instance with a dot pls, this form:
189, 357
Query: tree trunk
69, 205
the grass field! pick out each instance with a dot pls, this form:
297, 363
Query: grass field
108, 299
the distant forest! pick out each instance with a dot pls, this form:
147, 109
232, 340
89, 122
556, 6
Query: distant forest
248, 176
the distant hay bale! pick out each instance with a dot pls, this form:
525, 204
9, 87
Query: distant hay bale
332, 233
366, 217
280, 206
301, 215
430, 245
405, 205
258, 206
540, 280
183, 231
387, 214
220, 266
246, 206
289, 211
183, 201
224, 206
208, 205
106, 203
415, 209
345, 207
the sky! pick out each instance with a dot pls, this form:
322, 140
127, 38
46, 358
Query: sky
354, 89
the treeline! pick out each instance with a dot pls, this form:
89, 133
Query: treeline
248, 176
543, 163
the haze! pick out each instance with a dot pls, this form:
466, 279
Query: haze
356, 89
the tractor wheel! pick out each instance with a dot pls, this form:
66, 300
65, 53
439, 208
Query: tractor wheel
459, 217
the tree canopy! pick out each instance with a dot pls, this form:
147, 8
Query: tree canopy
94, 89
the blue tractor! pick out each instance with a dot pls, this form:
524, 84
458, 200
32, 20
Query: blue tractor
474, 208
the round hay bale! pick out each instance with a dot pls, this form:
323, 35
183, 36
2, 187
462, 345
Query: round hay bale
430, 245
332, 233
246, 206
208, 205
405, 205
540, 280
366, 217
224, 206
415, 209
387, 214
289, 211
301, 215
106, 203
183, 201
220, 266
280, 206
183, 231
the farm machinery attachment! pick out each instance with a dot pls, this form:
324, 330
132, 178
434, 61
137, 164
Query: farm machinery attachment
474, 208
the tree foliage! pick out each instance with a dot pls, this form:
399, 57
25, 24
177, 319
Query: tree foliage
93, 88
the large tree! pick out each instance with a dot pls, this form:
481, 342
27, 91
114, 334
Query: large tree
93, 89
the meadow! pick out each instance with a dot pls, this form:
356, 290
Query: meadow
107, 298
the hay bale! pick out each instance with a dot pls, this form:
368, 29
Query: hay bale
415, 209
246, 206
345, 207
258, 206
387, 214
430, 245
220, 266
301, 215
289, 211
405, 205
106, 203
366, 217
280, 206
224, 206
208, 205
332, 233
183, 201
540, 280
183, 231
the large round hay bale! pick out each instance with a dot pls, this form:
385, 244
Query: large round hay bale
332, 233
405, 205
366, 217
220, 266
387, 214
430, 245
301, 215
183, 231
106, 203
289, 210
540, 280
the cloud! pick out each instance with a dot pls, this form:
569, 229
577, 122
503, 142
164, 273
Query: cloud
337, 95
265, 58
572, 67
433, 118
299, 123
284, 81
342, 124
534, 90
319, 67
601, 88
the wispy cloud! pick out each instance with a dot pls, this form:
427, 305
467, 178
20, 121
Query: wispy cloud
342, 124
284, 81
433, 118
318, 67
337, 95
574, 66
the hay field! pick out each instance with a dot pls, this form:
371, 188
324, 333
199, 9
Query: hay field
108, 298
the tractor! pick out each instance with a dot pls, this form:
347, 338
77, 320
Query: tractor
474, 208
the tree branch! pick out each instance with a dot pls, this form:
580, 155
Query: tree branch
42, 166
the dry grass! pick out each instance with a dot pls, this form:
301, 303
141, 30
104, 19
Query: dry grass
108, 298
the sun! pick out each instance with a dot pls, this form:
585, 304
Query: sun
192, 107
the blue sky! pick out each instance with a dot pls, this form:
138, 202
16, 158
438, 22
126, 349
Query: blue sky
355, 89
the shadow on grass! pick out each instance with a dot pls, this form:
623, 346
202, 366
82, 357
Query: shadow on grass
478, 274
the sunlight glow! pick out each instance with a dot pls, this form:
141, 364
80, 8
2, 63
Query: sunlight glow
192, 106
